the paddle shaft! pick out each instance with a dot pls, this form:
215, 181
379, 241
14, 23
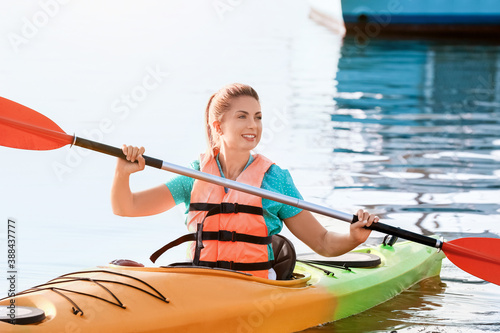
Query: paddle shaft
24, 128
159, 164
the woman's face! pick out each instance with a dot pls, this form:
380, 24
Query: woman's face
241, 125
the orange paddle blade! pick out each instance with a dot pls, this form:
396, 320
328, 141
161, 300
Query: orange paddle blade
24, 128
477, 256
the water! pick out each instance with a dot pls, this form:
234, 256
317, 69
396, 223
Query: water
421, 118
407, 129
414, 136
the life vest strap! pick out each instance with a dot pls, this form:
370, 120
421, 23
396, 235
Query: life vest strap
221, 235
238, 266
232, 236
178, 241
225, 208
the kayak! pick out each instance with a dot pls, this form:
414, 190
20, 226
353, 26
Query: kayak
192, 299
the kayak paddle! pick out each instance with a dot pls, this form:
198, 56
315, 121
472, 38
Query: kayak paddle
24, 128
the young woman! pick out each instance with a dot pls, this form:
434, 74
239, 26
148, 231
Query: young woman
233, 228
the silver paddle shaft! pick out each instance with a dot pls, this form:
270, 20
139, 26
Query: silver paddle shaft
257, 191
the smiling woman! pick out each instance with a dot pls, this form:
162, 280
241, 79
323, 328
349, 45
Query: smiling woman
232, 114
234, 128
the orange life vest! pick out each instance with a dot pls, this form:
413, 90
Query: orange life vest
230, 227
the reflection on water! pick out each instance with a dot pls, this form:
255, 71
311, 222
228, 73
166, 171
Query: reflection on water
415, 137
420, 117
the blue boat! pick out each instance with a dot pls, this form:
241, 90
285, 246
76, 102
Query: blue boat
472, 18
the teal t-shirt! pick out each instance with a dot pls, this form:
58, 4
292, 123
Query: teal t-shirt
275, 179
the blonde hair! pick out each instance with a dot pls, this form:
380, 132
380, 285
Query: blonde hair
217, 105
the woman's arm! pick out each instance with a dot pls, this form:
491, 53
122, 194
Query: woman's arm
328, 243
149, 202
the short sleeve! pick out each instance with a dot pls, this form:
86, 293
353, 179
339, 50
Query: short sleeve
181, 186
289, 189
280, 181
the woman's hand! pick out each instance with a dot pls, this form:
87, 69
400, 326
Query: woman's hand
357, 231
132, 154
144, 203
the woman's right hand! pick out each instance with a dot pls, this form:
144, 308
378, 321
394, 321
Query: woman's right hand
133, 161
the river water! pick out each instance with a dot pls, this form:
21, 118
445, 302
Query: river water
407, 129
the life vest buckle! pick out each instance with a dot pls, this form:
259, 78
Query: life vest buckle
229, 208
227, 236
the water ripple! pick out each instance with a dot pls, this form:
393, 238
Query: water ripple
419, 117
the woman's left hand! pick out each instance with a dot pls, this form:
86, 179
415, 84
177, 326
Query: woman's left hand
358, 232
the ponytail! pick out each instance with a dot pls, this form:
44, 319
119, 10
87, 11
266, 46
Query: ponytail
208, 130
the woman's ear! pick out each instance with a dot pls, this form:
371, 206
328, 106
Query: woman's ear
216, 126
